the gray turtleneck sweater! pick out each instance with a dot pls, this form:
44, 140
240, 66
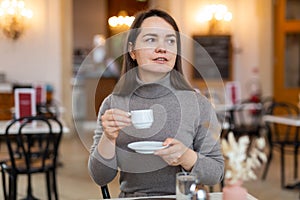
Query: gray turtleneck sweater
185, 115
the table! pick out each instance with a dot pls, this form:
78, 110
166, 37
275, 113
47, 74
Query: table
212, 196
229, 107
226, 113
223, 107
289, 121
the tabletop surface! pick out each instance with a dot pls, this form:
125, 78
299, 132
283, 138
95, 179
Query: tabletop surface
213, 196
231, 107
285, 119
33, 130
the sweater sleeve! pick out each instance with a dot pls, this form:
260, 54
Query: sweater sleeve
210, 162
101, 170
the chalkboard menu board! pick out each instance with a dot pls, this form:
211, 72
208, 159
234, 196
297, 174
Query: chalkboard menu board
218, 48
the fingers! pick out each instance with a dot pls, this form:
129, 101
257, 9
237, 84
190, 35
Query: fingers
113, 120
174, 146
169, 141
114, 124
173, 154
117, 116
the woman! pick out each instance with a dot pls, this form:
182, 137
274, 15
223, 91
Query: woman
183, 119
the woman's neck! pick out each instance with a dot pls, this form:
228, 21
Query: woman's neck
150, 77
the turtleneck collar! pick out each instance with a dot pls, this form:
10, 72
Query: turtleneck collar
153, 90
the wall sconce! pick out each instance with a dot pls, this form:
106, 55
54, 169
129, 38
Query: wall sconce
13, 18
122, 20
214, 14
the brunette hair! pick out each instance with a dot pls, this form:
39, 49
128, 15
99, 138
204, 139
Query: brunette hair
176, 75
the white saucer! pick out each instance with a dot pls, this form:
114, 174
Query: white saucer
146, 147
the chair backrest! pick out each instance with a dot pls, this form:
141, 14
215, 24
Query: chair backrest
284, 108
283, 132
267, 103
247, 113
33, 140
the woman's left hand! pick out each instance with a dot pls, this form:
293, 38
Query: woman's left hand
177, 154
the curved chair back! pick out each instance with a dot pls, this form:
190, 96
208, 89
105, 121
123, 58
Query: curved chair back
32, 144
281, 135
29, 145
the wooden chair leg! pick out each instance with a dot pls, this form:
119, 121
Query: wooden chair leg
29, 188
222, 184
54, 184
4, 184
12, 187
282, 166
48, 183
270, 157
105, 192
296, 162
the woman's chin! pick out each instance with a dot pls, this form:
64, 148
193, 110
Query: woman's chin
156, 68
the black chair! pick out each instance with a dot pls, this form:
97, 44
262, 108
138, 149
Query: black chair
27, 157
283, 137
245, 119
105, 192
3, 158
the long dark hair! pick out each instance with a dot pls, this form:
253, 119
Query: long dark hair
127, 81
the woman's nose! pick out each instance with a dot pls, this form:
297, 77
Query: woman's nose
160, 49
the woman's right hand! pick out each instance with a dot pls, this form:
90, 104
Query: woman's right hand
113, 120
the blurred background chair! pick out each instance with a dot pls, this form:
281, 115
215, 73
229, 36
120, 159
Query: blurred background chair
27, 158
284, 137
3, 158
245, 119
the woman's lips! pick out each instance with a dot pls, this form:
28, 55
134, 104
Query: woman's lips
160, 60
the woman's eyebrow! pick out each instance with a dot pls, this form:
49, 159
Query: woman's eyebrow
171, 35
150, 34
156, 35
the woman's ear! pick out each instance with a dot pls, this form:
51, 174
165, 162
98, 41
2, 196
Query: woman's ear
130, 50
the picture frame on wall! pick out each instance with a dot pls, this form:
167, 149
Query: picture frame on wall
219, 48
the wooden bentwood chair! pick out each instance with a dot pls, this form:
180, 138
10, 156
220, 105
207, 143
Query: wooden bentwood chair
286, 138
245, 119
31, 152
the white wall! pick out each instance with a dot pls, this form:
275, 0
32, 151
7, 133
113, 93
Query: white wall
251, 30
245, 42
36, 56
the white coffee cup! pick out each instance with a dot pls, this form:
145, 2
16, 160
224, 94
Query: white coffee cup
142, 119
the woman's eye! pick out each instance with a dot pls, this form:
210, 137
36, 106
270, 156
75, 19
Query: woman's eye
171, 41
150, 40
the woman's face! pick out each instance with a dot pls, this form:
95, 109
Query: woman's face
155, 49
